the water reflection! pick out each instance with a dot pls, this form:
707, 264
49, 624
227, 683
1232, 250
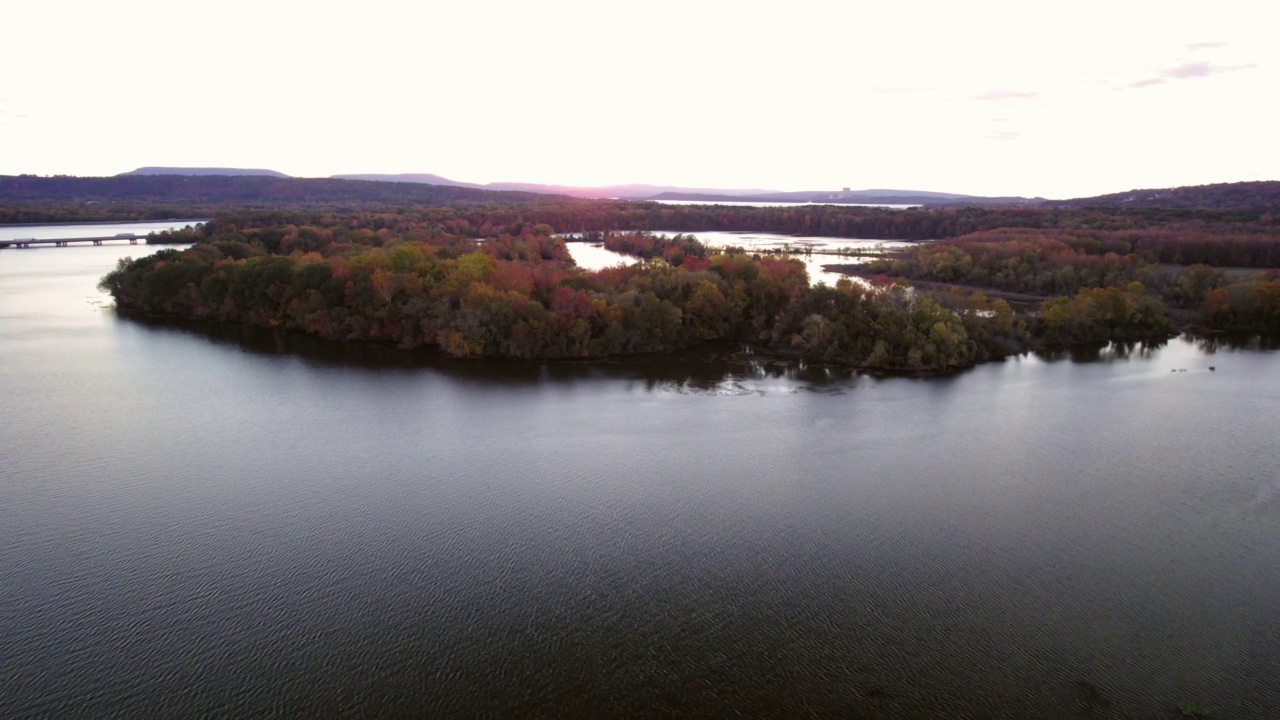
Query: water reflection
1229, 342
817, 253
1104, 352
721, 368
712, 368
211, 520
716, 368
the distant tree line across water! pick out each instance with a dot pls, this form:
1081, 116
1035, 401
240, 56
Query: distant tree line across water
518, 294
478, 273
494, 280
1218, 277
25, 199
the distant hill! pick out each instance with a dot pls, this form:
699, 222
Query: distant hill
625, 192
423, 178
253, 187
239, 190
622, 192
715, 195
203, 171
853, 197
265, 187
712, 195
1246, 196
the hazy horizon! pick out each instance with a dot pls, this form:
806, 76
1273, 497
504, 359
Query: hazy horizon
658, 188
975, 99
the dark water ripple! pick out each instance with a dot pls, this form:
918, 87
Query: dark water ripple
258, 526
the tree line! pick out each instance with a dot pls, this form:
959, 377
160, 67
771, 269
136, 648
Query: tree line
494, 279
1227, 287
519, 295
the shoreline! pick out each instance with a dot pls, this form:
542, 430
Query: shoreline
224, 330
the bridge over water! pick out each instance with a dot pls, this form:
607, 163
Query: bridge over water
64, 242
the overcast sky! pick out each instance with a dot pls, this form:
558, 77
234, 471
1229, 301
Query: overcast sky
980, 97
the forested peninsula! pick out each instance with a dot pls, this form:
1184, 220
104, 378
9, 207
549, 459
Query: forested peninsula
512, 290
496, 280
484, 274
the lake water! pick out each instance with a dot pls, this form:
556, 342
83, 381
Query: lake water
246, 524
752, 203
813, 251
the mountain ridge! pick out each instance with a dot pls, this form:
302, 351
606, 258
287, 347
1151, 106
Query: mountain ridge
1247, 196
629, 191
643, 191
203, 171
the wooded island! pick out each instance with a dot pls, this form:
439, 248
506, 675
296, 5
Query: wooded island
494, 280
479, 273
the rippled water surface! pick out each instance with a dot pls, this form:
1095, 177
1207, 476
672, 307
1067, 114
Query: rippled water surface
243, 524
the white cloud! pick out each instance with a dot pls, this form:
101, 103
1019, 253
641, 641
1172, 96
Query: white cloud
1003, 135
1186, 71
709, 93
1008, 96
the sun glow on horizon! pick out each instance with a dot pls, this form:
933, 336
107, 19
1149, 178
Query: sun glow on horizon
972, 99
